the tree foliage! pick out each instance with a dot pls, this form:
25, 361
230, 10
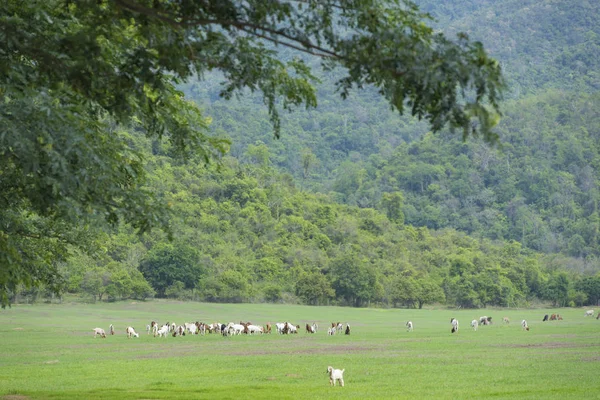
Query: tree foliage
76, 75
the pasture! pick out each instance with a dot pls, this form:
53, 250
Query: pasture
48, 351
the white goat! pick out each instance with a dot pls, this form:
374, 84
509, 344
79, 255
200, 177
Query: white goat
524, 325
335, 375
99, 331
131, 332
280, 326
255, 329
409, 326
163, 331
235, 329
331, 331
148, 329
454, 323
112, 329
474, 325
589, 313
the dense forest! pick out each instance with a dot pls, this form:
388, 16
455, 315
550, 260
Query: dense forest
356, 205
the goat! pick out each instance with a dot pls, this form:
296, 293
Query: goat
545, 318
474, 325
309, 329
252, 329
280, 326
235, 329
506, 320
589, 313
131, 332
347, 332
162, 331
335, 375
454, 323
524, 325
99, 331
268, 327
339, 327
112, 329
553, 317
331, 331
148, 329
409, 326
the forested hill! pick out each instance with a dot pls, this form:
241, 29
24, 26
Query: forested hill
539, 186
355, 205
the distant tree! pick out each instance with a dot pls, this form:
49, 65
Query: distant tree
314, 288
168, 263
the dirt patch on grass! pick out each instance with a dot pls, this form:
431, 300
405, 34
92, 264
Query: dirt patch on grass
15, 397
591, 359
551, 345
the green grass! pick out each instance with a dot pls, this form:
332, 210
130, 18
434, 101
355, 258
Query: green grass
48, 351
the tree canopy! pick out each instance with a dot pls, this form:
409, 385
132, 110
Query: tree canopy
75, 77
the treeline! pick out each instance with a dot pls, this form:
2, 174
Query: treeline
246, 233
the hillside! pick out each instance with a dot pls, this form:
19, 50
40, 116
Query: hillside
538, 186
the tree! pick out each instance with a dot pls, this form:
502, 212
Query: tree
314, 288
354, 280
74, 75
166, 263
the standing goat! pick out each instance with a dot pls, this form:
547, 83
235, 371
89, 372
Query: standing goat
454, 323
335, 375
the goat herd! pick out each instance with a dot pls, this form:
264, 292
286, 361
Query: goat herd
283, 328
200, 328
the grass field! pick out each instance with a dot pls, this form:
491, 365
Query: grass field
48, 351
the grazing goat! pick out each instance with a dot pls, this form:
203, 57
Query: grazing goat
524, 325
148, 329
339, 326
131, 332
112, 329
268, 327
545, 318
553, 317
506, 320
252, 329
331, 331
280, 326
335, 375
162, 331
179, 330
474, 325
589, 313
235, 329
485, 320
99, 331
347, 332
454, 323
409, 326
309, 329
